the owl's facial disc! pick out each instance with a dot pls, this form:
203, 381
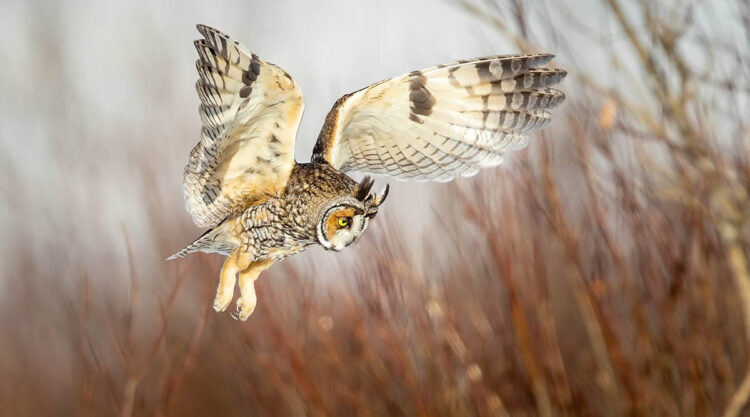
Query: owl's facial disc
341, 225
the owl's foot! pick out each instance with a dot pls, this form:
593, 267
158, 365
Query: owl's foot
225, 290
246, 305
223, 298
235, 262
248, 299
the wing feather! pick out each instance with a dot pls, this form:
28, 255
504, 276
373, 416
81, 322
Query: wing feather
250, 110
442, 122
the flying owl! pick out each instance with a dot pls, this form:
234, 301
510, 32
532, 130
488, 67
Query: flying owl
242, 180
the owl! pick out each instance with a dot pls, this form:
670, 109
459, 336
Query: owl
242, 181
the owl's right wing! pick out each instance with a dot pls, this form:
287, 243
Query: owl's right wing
250, 111
442, 122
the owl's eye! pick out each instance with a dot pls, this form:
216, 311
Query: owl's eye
344, 221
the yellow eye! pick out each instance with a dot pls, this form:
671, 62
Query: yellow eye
343, 221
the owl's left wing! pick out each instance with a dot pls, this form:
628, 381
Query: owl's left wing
442, 122
250, 110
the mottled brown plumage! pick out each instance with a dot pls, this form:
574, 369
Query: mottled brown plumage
242, 180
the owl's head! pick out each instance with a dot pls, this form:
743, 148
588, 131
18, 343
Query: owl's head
343, 220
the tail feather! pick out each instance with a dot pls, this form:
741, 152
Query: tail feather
193, 247
211, 241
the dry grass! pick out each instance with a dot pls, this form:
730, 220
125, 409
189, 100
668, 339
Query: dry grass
607, 277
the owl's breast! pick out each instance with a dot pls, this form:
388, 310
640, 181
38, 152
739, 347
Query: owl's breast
275, 229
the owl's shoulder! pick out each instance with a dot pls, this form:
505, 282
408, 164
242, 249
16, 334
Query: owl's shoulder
314, 178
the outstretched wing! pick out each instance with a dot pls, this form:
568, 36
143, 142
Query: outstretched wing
250, 110
442, 122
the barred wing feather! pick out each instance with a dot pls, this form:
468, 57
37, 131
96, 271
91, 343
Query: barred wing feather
250, 110
443, 122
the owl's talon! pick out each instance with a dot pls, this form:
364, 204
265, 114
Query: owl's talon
248, 299
245, 307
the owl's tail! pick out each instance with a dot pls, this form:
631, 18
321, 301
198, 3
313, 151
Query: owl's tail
210, 241
193, 247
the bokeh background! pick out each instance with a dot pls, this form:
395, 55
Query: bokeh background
603, 271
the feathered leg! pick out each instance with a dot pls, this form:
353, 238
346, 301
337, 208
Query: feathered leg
247, 301
235, 262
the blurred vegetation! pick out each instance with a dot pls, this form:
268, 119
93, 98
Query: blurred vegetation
605, 275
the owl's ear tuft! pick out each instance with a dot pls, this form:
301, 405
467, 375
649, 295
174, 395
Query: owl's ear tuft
363, 190
380, 198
